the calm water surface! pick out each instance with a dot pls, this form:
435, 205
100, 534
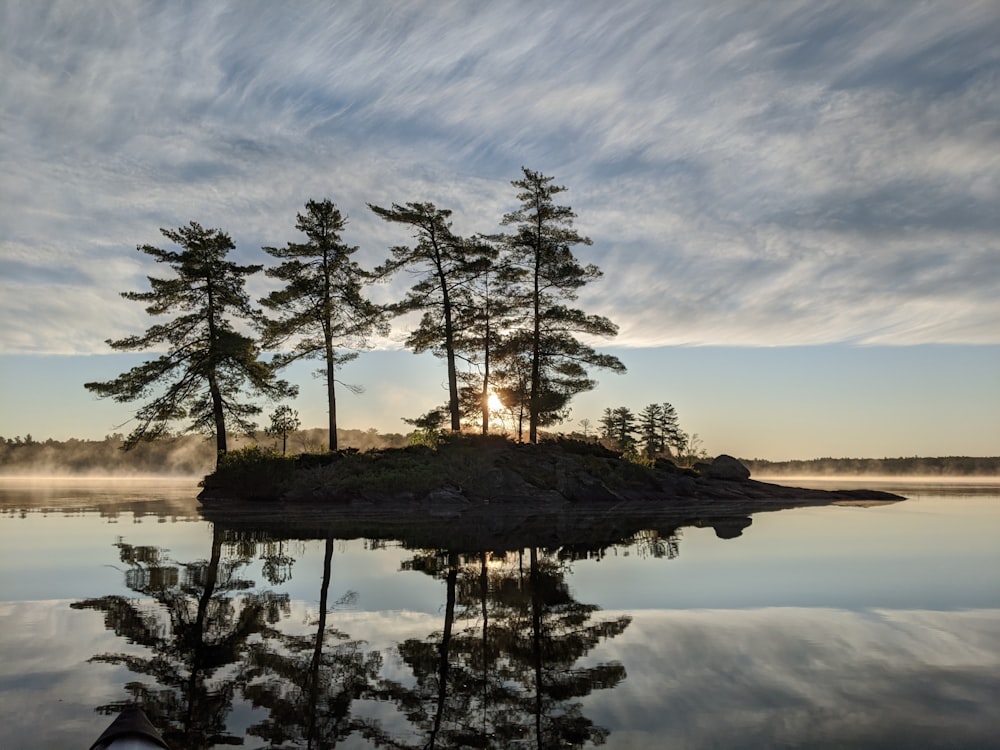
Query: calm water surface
817, 627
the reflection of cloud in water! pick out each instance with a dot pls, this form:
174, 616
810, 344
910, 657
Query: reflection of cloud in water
46, 699
791, 677
805, 677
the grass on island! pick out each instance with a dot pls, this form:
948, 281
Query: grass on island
454, 461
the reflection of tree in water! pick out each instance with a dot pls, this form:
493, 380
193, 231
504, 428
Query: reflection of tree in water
502, 672
191, 692
273, 552
646, 543
308, 682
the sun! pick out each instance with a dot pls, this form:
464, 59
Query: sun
494, 403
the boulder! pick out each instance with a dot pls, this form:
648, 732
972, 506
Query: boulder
726, 467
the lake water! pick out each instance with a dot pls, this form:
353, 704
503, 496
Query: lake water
873, 627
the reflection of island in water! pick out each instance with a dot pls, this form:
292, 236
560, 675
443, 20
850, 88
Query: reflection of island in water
591, 526
504, 668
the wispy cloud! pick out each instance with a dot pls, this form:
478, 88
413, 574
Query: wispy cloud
755, 174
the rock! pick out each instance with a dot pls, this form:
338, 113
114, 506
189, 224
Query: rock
445, 502
730, 528
665, 464
726, 467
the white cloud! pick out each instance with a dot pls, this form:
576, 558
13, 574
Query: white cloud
799, 173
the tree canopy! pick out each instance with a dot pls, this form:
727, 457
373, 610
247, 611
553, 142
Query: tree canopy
541, 248
209, 367
497, 308
445, 264
321, 307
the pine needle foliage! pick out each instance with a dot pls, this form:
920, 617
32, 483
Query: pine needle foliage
321, 309
210, 371
541, 247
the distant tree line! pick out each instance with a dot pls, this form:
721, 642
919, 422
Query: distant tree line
947, 466
191, 455
170, 455
496, 307
188, 455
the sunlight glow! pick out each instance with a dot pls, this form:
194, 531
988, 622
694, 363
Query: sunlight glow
494, 403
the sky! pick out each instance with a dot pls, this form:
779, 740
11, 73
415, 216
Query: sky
796, 205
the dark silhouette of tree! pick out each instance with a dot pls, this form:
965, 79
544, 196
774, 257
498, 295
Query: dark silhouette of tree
512, 378
655, 543
309, 682
321, 305
427, 427
501, 673
208, 362
550, 275
619, 425
653, 442
207, 631
656, 428
560, 636
445, 265
659, 429
480, 324
284, 421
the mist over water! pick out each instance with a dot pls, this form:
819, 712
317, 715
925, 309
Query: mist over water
183, 456
851, 481
915, 468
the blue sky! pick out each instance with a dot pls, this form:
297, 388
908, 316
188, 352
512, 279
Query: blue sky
795, 204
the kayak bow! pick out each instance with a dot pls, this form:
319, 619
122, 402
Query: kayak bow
131, 730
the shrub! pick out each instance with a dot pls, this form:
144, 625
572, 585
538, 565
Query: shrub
253, 473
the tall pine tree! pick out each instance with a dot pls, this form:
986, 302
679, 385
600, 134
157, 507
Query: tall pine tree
208, 363
481, 320
321, 307
541, 246
445, 265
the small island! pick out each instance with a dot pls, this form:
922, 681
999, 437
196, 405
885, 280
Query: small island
485, 491
499, 308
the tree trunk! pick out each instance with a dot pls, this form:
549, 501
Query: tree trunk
536, 644
200, 648
485, 401
449, 341
313, 738
449, 620
331, 395
484, 592
219, 417
218, 414
535, 375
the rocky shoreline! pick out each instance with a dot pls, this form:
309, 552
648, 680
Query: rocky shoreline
505, 495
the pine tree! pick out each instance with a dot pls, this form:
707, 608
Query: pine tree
670, 429
482, 316
619, 426
550, 275
321, 305
208, 362
445, 265
284, 421
650, 426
